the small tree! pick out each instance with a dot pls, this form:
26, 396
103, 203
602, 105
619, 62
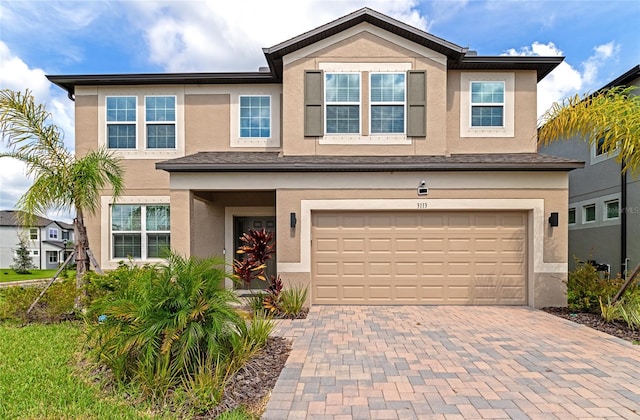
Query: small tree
22, 261
61, 179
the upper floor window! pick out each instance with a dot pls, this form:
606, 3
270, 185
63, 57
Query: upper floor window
65, 234
140, 231
160, 115
121, 122
255, 116
342, 99
612, 209
53, 233
387, 91
589, 213
572, 216
33, 234
599, 147
487, 104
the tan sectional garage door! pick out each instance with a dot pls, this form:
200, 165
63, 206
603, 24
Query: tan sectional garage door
455, 258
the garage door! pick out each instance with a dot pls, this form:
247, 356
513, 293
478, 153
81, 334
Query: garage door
454, 258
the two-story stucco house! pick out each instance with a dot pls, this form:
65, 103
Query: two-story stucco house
49, 242
394, 166
604, 202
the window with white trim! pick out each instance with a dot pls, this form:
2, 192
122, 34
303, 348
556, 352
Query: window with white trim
589, 213
255, 116
53, 233
121, 122
140, 231
572, 216
52, 257
487, 104
342, 103
33, 234
611, 209
387, 101
160, 118
35, 252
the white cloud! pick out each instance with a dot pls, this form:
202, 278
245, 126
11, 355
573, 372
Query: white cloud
16, 75
566, 80
222, 36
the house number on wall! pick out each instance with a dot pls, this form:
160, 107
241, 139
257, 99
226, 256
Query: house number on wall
422, 204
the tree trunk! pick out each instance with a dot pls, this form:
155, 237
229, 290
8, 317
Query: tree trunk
82, 260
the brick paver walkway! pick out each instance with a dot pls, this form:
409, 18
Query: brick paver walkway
415, 362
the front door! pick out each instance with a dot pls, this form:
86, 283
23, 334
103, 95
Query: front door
242, 224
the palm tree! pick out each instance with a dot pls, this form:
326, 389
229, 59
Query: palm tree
609, 118
62, 181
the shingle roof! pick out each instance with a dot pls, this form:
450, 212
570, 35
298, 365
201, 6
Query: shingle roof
275, 162
12, 218
458, 58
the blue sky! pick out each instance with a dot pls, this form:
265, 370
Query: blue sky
600, 40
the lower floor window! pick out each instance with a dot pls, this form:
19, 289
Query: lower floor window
52, 257
140, 231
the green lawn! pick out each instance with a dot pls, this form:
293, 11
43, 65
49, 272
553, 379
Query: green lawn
7, 274
37, 378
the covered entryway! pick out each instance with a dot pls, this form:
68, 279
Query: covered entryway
403, 257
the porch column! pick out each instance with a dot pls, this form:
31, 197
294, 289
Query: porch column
181, 219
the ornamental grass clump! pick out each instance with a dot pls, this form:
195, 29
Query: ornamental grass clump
170, 325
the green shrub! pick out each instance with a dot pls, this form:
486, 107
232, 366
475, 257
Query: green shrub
585, 288
100, 285
57, 304
292, 300
169, 327
255, 302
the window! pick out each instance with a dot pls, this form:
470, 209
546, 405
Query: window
487, 104
33, 234
255, 116
160, 116
600, 147
589, 213
140, 231
65, 235
572, 216
35, 252
121, 122
53, 233
387, 92
612, 209
52, 257
342, 99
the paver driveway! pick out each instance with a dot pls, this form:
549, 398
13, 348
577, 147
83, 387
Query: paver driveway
371, 362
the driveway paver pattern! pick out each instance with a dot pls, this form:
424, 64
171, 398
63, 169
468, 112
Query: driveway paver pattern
449, 362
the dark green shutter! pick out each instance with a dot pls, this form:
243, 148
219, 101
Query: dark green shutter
313, 103
416, 103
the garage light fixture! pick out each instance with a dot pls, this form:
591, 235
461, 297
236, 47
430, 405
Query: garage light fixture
553, 219
422, 188
292, 220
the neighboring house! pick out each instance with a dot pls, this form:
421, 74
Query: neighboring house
604, 204
394, 166
49, 242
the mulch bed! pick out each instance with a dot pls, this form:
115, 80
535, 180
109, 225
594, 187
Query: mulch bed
616, 329
252, 384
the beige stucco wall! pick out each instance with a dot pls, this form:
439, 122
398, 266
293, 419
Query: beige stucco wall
525, 119
207, 125
364, 47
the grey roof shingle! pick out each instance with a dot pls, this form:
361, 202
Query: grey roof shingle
275, 162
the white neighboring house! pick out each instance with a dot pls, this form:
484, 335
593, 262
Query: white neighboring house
49, 241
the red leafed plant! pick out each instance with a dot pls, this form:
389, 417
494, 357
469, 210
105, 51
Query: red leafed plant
257, 248
271, 301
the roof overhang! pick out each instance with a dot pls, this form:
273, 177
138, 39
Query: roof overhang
457, 58
275, 162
